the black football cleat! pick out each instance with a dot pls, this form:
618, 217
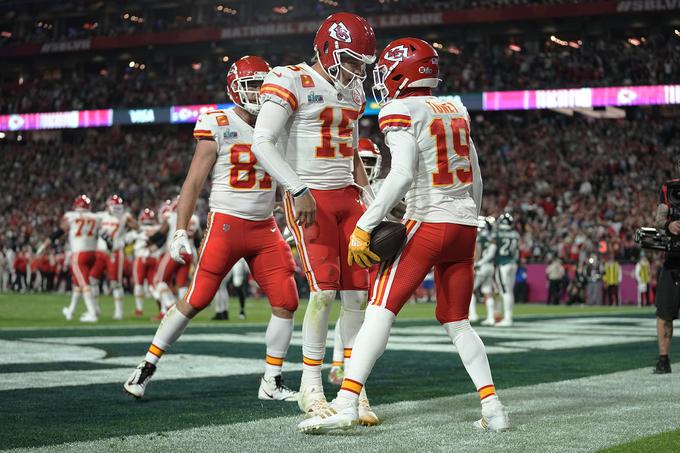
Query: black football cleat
663, 366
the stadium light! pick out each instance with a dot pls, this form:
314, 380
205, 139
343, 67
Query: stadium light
225, 58
132, 64
2, 135
677, 32
515, 48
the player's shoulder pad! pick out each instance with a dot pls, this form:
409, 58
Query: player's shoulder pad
395, 115
281, 86
208, 123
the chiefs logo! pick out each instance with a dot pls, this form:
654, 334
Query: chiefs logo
399, 53
339, 32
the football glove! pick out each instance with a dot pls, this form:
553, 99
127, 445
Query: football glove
178, 245
358, 250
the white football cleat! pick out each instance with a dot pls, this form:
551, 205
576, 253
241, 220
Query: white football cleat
118, 316
273, 389
366, 415
88, 317
504, 323
67, 313
330, 419
489, 322
136, 383
311, 400
494, 417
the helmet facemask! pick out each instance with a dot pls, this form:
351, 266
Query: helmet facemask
345, 78
372, 166
247, 89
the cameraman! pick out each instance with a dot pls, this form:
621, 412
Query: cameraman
668, 288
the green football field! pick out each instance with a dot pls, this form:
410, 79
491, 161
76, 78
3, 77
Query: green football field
573, 379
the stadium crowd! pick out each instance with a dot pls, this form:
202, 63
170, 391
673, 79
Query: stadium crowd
577, 187
468, 67
83, 15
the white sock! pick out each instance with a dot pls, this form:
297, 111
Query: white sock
490, 315
118, 295
353, 308
473, 307
170, 329
181, 292
314, 332
167, 297
94, 286
338, 348
139, 297
473, 355
90, 301
508, 305
75, 295
369, 345
277, 338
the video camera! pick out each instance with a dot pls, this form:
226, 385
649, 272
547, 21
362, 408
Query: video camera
650, 238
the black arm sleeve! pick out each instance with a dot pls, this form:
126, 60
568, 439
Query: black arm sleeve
57, 234
158, 239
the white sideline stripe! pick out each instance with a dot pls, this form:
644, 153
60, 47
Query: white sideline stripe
579, 415
173, 366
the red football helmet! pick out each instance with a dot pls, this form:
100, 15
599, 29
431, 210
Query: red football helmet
114, 204
82, 202
147, 216
405, 63
244, 80
344, 35
370, 156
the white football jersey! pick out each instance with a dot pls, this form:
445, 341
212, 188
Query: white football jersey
442, 185
83, 230
115, 227
318, 139
240, 186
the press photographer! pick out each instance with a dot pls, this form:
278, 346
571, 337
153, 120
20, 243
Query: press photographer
667, 223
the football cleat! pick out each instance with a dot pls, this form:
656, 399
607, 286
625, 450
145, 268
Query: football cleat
158, 317
273, 389
663, 366
242, 316
67, 313
366, 415
494, 417
118, 316
88, 317
330, 419
336, 375
311, 400
138, 313
504, 323
489, 322
136, 383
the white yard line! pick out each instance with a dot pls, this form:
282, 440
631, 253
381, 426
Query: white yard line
566, 416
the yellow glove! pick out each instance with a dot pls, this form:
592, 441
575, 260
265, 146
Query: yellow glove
358, 250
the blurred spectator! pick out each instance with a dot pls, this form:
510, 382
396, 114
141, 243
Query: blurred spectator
611, 277
643, 273
555, 273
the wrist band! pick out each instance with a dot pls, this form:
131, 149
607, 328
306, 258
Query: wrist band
300, 193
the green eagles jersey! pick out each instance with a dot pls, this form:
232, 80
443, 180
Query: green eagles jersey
507, 243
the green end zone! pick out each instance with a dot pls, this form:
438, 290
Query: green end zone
64, 384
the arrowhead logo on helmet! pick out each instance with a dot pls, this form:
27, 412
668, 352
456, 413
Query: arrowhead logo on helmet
396, 54
339, 32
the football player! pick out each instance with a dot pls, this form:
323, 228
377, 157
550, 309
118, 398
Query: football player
313, 112
507, 256
145, 257
485, 254
372, 160
82, 226
115, 222
240, 225
434, 163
